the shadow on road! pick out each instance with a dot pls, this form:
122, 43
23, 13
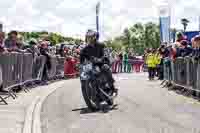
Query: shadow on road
84, 110
104, 109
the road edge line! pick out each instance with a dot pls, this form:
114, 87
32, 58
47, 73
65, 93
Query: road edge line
28, 119
37, 112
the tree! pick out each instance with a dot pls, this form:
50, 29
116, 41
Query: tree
114, 44
137, 37
152, 35
184, 22
126, 37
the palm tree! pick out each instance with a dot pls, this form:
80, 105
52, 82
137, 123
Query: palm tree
184, 22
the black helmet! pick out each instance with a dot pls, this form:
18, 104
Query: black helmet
92, 33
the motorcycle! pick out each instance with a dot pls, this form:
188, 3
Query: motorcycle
95, 85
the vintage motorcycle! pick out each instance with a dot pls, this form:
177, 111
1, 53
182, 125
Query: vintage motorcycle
95, 85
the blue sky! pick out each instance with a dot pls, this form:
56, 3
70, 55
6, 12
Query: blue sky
74, 17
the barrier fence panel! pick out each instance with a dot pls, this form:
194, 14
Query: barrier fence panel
172, 68
189, 71
15, 68
182, 71
60, 66
52, 71
193, 71
197, 84
175, 71
1, 78
18, 68
38, 67
7, 69
167, 68
27, 66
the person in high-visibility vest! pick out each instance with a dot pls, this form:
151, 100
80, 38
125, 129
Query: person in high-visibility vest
157, 61
151, 63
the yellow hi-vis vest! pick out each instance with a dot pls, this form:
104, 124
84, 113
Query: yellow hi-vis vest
151, 60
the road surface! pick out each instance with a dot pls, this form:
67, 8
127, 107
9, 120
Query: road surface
143, 107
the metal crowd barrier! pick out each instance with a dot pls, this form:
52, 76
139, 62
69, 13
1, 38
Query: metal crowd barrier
184, 72
60, 66
38, 66
52, 71
117, 65
17, 69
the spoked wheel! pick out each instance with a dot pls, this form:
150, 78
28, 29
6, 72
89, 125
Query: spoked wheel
89, 92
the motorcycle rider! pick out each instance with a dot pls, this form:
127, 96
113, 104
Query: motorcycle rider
96, 49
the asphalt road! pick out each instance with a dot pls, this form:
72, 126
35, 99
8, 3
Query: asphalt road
143, 107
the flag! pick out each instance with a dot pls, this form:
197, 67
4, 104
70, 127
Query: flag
165, 29
165, 20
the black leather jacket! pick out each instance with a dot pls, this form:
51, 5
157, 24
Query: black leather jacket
96, 50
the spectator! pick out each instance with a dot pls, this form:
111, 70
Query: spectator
20, 42
125, 62
57, 49
120, 62
196, 46
185, 49
180, 37
129, 62
33, 48
65, 51
117, 62
158, 62
151, 63
2, 47
61, 50
11, 41
164, 51
47, 66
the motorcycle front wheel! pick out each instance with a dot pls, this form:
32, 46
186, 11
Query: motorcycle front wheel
89, 93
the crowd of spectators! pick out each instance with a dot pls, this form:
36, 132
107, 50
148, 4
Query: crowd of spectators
14, 43
181, 48
125, 61
121, 60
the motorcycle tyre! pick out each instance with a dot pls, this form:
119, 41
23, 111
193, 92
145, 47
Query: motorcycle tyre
84, 87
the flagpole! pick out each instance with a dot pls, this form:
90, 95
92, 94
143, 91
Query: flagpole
1, 27
97, 17
199, 24
97, 23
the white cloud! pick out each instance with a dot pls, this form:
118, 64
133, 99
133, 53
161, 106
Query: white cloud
74, 17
